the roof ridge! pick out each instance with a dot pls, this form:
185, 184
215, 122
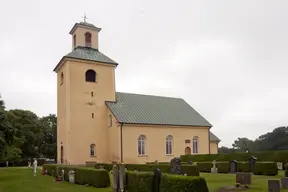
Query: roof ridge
142, 94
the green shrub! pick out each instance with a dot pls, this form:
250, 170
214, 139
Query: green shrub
190, 170
178, 183
143, 182
276, 156
83, 175
261, 168
139, 181
266, 168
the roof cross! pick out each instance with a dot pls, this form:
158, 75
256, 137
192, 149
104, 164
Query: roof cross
84, 17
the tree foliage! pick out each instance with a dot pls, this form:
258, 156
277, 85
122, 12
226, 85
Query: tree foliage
271, 141
23, 134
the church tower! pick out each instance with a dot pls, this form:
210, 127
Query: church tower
85, 81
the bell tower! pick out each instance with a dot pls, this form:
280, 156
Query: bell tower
85, 81
85, 34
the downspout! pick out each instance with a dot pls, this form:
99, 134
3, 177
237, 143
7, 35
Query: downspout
209, 140
121, 142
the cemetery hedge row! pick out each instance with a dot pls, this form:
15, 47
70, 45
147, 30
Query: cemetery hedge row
94, 177
145, 182
261, 168
190, 170
277, 156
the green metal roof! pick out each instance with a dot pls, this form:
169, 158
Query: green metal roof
88, 54
214, 137
147, 109
85, 25
91, 54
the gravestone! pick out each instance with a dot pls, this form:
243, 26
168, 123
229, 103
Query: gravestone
121, 176
190, 162
214, 169
233, 166
273, 186
175, 166
284, 183
62, 175
252, 161
115, 178
156, 180
71, 174
244, 178
280, 165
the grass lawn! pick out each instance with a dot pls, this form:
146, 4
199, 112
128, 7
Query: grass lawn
259, 183
22, 180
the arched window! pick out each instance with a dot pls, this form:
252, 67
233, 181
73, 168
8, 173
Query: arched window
187, 151
169, 141
195, 144
61, 78
141, 145
74, 41
88, 37
92, 150
90, 75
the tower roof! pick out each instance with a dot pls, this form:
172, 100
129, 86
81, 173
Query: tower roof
85, 25
88, 54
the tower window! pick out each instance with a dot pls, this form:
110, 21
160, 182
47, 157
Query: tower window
61, 78
74, 41
92, 115
110, 121
92, 94
88, 39
90, 75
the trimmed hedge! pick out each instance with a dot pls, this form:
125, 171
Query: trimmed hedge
261, 168
190, 170
277, 156
143, 181
94, 177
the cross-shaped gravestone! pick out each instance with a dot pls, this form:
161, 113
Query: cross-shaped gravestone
214, 169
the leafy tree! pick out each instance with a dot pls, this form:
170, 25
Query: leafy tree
48, 146
242, 144
226, 150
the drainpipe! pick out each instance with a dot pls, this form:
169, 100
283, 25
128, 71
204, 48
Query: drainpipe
121, 142
209, 140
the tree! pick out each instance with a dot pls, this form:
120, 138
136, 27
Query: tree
226, 150
48, 146
242, 144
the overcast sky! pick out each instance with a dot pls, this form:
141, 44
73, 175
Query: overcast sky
227, 59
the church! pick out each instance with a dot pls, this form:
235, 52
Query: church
97, 124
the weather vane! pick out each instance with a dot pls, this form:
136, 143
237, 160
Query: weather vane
84, 17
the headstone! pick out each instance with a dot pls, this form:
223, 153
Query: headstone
214, 169
244, 178
233, 166
280, 165
190, 162
71, 176
156, 180
63, 175
273, 185
252, 161
115, 178
175, 166
121, 177
284, 183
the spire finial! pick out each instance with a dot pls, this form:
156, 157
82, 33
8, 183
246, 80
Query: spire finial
84, 17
